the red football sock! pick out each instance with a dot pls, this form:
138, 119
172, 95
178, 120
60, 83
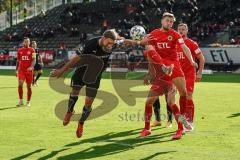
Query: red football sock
176, 114
20, 92
147, 116
29, 93
183, 104
190, 110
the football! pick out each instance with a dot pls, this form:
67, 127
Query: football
137, 32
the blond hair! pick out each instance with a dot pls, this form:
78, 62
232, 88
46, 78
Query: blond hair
168, 14
183, 24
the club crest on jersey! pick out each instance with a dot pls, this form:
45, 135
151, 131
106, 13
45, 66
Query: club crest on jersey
28, 52
170, 38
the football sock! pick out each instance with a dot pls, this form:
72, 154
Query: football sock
33, 78
176, 114
71, 102
29, 93
190, 111
85, 114
20, 92
183, 104
38, 76
147, 116
156, 107
169, 113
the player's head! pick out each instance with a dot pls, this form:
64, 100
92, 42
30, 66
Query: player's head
34, 44
26, 42
183, 29
109, 40
167, 20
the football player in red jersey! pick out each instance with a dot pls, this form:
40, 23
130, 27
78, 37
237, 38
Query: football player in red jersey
24, 70
162, 50
189, 71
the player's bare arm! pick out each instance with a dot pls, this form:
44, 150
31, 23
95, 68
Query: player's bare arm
32, 65
17, 64
201, 60
59, 72
187, 52
149, 77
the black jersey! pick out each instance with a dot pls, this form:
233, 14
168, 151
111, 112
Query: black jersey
37, 56
93, 49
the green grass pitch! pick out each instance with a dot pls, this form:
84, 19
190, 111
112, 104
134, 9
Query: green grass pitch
37, 133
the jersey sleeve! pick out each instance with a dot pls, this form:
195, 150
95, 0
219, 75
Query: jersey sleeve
195, 48
18, 56
179, 39
85, 49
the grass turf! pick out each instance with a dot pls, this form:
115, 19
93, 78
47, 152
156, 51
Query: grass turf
37, 133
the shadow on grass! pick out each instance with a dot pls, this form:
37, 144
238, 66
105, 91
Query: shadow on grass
27, 155
1, 109
156, 154
52, 154
111, 146
234, 115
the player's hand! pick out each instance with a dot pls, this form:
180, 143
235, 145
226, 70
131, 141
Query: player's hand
147, 79
16, 72
30, 68
198, 77
56, 73
194, 64
146, 40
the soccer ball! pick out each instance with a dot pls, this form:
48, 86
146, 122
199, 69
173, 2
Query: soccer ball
137, 32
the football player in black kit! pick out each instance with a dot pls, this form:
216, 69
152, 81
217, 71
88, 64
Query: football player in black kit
38, 66
93, 58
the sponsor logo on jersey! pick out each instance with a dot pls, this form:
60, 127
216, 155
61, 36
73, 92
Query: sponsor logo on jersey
170, 38
163, 45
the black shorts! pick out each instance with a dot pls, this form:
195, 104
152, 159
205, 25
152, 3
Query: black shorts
37, 67
81, 79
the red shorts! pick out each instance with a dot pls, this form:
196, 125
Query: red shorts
161, 87
177, 70
26, 76
190, 80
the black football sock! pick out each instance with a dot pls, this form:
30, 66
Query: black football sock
71, 102
85, 114
38, 76
169, 113
33, 81
156, 107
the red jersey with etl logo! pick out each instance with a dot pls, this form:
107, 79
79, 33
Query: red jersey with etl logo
25, 57
166, 42
184, 61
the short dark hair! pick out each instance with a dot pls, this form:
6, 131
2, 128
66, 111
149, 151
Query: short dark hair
110, 34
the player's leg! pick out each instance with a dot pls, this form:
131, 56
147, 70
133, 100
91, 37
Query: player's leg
71, 104
148, 114
76, 84
156, 108
87, 109
39, 74
176, 112
29, 79
21, 79
33, 84
189, 112
180, 84
20, 92
169, 113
